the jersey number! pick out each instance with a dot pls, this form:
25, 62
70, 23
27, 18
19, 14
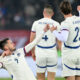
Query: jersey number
16, 60
45, 38
76, 37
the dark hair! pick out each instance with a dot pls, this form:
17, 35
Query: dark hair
48, 6
65, 7
3, 42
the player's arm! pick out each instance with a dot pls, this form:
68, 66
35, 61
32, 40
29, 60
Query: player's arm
33, 43
62, 36
59, 44
32, 37
36, 40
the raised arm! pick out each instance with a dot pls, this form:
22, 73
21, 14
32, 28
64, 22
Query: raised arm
33, 43
36, 40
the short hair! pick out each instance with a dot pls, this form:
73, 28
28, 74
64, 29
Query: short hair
3, 42
65, 7
49, 8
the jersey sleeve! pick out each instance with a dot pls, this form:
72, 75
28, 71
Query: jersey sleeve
62, 36
33, 43
28, 47
34, 27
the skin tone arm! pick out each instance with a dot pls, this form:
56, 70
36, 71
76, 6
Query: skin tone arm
32, 37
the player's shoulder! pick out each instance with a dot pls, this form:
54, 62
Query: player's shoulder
55, 22
69, 20
37, 21
65, 24
20, 50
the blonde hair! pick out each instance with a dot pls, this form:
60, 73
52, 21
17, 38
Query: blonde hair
48, 9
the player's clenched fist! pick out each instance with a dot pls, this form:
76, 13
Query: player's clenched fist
6, 53
53, 28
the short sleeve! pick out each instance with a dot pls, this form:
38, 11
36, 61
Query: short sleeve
34, 27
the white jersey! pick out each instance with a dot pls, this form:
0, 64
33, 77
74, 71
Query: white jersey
17, 67
72, 45
48, 41
16, 64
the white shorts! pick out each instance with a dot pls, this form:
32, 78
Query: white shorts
46, 60
71, 65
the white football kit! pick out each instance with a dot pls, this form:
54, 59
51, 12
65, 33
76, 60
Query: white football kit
70, 35
45, 51
16, 64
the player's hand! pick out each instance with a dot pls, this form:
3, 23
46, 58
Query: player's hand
53, 28
33, 56
78, 8
6, 53
47, 27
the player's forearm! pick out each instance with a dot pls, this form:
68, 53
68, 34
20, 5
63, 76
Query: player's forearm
33, 43
32, 36
63, 36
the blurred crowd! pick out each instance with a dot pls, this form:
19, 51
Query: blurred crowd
20, 14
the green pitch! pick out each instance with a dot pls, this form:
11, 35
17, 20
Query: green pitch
5, 79
46, 79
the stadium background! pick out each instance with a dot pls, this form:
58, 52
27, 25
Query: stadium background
16, 18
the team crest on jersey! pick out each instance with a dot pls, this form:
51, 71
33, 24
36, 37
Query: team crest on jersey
18, 54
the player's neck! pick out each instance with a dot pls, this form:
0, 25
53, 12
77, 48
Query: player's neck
68, 15
48, 17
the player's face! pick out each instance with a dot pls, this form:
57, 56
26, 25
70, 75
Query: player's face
10, 45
